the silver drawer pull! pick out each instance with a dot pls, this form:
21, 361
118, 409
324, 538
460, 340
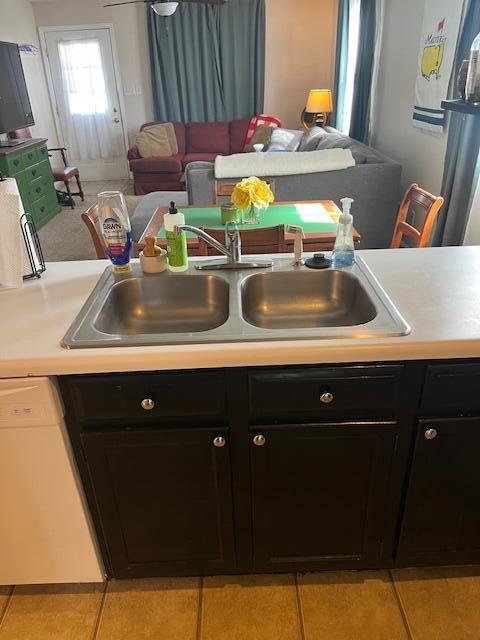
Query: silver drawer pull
219, 442
148, 404
259, 440
431, 434
326, 397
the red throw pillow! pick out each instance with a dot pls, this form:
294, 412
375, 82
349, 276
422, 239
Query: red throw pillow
255, 122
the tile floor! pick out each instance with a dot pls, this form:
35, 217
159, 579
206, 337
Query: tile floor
406, 604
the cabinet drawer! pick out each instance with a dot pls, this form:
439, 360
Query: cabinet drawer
38, 209
37, 188
11, 164
30, 157
322, 390
41, 169
454, 387
120, 398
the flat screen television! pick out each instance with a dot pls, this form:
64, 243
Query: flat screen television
15, 107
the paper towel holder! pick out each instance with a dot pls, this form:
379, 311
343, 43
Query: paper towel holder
33, 248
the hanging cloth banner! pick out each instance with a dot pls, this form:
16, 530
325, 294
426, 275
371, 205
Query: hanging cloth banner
441, 25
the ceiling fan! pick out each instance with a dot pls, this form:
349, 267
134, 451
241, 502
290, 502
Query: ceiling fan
164, 7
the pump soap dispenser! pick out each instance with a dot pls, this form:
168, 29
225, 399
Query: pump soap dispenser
176, 242
344, 249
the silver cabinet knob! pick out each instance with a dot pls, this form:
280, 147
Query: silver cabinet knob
148, 404
431, 434
219, 442
326, 397
259, 440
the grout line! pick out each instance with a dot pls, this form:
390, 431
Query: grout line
200, 611
300, 609
3, 613
101, 609
403, 613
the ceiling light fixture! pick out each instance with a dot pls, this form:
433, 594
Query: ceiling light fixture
165, 9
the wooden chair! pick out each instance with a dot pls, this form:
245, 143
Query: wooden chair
90, 218
267, 240
225, 189
65, 174
416, 198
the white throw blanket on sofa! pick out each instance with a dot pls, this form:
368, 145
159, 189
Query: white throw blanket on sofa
282, 164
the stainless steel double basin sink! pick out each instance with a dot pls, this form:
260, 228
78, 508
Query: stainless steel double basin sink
280, 303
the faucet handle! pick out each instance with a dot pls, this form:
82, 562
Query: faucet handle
296, 229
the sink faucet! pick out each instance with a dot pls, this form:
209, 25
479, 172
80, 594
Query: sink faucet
232, 249
297, 244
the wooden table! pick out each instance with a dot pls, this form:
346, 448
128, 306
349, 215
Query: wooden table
314, 240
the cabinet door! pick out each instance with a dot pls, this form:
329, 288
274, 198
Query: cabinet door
319, 494
442, 512
164, 499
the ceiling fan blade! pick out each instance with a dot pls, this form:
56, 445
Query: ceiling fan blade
119, 4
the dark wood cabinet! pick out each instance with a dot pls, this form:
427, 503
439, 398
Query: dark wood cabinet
319, 494
165, 500
441, 523
320, 467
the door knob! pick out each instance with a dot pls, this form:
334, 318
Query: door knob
148, 404
219, 442
431, 434
116, 120
259, 440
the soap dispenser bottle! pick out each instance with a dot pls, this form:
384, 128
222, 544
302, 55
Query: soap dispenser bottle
344, 249
176, 242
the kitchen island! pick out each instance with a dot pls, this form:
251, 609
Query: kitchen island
283, 456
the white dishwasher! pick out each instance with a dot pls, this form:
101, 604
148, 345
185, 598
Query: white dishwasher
45, 529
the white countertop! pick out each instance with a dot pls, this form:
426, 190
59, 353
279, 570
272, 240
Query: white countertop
436, 290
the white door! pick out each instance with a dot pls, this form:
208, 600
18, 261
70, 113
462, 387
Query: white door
86, 96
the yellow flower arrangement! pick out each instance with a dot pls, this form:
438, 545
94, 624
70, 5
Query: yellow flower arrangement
252, 192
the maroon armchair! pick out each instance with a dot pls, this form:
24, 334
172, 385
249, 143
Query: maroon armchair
196, 141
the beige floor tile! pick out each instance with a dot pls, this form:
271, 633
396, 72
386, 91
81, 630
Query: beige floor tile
4, 596
441, 604
350, 605
250, 608
160, 609
52, 612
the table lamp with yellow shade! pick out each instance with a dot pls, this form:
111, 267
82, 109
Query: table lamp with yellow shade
319, 105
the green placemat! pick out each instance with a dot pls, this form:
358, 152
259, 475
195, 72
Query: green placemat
312, 216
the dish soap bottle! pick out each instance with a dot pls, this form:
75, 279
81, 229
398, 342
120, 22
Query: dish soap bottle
116, 230
176, 242
344, 249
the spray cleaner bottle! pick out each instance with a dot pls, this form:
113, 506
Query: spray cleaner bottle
344, 249
116, 230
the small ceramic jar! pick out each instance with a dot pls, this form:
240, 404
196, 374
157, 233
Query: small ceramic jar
154, 264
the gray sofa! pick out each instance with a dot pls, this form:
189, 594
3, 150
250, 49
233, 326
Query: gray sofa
374, 183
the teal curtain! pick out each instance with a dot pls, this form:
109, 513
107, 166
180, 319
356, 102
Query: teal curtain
359, 125
208, 61
341, 62
462, 151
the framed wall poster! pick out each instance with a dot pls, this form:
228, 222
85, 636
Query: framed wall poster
438, 43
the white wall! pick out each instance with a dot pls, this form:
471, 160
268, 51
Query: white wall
300, 54
421, 154
17, 24
130, 29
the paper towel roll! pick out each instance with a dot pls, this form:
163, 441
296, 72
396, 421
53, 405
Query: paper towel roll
11, 240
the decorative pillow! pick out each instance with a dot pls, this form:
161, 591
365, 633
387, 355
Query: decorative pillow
263, 135
334, 141
285, 140
256, 121
311, 138
172, 136
157, 141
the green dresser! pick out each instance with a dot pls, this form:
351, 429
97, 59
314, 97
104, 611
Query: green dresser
28, 163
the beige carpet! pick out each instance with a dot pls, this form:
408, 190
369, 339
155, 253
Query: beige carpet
66, 236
